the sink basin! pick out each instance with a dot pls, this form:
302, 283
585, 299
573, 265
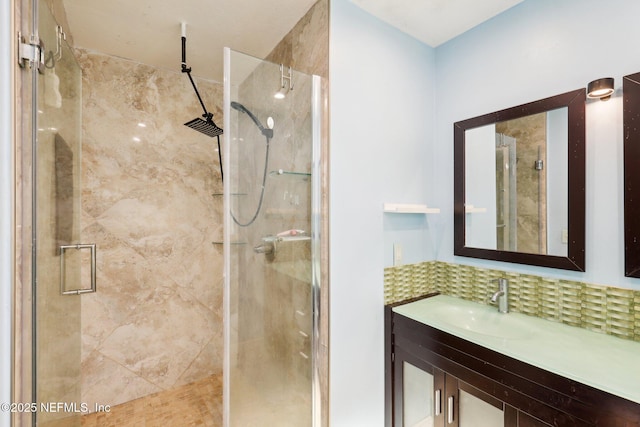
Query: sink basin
484, 320
571, 352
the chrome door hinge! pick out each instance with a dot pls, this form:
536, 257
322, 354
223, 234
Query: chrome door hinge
32, 53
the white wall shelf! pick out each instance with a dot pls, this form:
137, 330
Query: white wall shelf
472, 209
408, 208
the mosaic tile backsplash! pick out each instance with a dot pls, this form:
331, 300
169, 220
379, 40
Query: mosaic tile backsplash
608, 310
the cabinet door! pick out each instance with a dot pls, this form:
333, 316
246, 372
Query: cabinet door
476, 408
418, 393
425, 396
525, 420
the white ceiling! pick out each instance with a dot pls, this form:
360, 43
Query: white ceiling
435, 21
148, 31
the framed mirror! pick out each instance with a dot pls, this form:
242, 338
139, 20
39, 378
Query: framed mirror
519, 184
631, 120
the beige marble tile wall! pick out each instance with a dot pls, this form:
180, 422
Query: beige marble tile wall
149, 205
306, 46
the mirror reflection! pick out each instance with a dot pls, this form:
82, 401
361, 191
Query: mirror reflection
519, 184
516, 184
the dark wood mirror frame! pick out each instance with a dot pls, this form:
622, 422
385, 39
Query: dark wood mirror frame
631, 120
575, 259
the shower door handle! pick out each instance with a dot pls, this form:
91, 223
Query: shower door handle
63, 251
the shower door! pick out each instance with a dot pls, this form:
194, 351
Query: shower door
60, 267
271, 185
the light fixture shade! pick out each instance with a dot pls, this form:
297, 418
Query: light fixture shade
600, 89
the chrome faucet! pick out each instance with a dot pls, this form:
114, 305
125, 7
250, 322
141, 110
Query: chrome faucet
502, 296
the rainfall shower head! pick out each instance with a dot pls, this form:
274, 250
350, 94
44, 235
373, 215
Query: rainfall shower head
266, 132
208, 127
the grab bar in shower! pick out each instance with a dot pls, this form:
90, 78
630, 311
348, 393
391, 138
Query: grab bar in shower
63, 250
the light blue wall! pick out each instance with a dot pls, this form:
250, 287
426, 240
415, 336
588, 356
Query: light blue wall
381, 133
538, 49
392, 141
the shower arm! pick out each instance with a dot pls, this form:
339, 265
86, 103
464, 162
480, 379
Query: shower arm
207, 115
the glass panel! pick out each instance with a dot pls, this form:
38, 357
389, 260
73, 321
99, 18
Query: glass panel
268, 206
57, 212
418, 396
475, 412
528, 199
521, 193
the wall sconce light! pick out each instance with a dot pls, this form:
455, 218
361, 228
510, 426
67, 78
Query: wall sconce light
601, 89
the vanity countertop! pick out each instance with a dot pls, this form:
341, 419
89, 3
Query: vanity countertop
601, 361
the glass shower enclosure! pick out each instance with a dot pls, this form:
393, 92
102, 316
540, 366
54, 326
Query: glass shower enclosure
271, 243
62, 266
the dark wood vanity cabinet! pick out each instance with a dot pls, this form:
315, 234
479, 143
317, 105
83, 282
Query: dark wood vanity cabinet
438, 398
460, 384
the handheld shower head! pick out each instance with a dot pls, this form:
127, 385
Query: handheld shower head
266, 132
237, 106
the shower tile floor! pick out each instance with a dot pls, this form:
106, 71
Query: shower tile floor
195, 404
200, 404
